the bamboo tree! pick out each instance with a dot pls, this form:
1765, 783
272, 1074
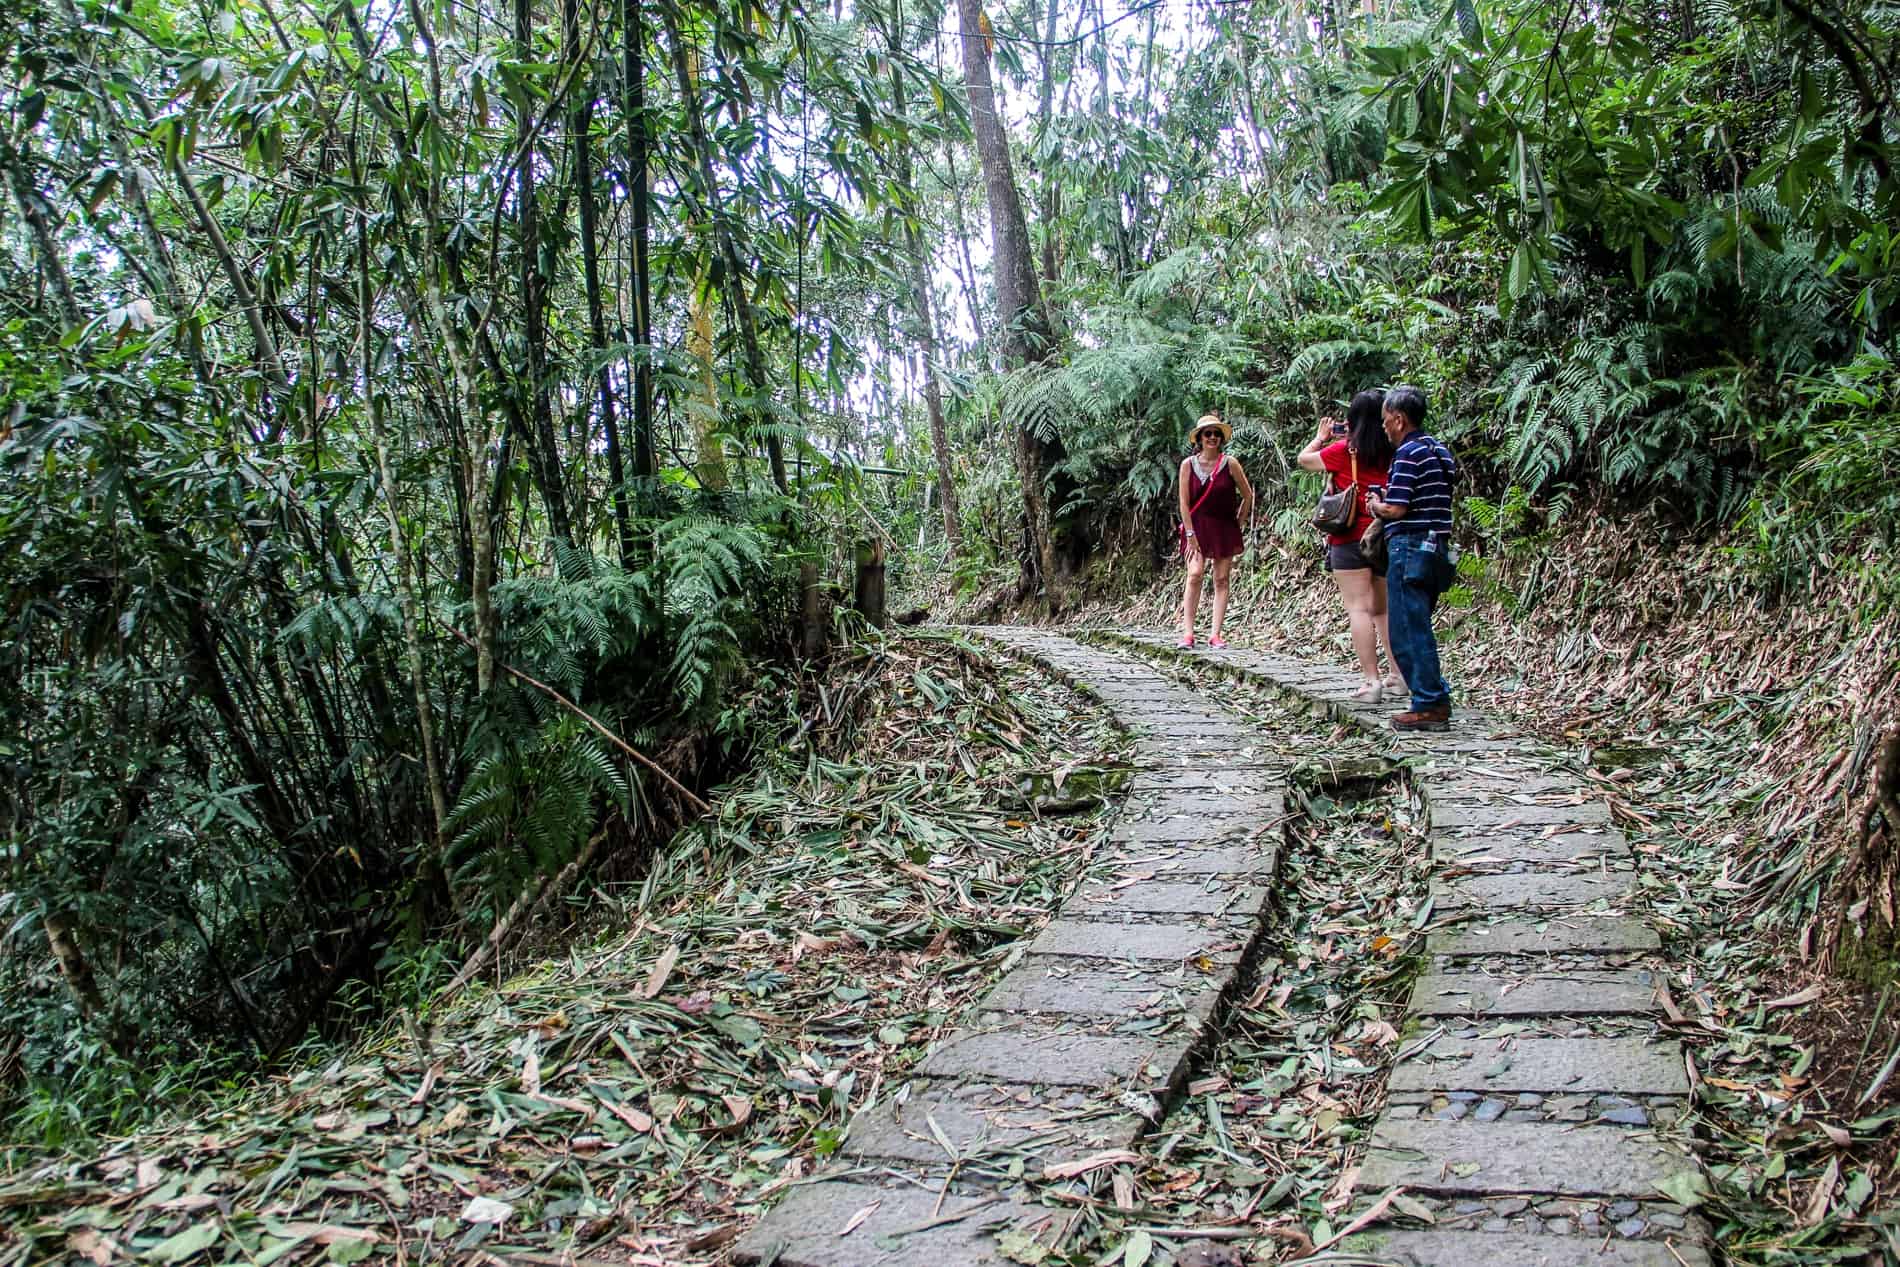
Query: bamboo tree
544, 454
924, 320
753, 357
639, 198
398, 546
584, 194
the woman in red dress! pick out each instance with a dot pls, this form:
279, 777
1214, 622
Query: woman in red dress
1216, 506
1358, 449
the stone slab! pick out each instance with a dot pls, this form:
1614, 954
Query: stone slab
1573, 849
1456, 782
1168, 943
1207, 727
1455, 814
1579, 934
1160, 897
1207, 829
1059, 1058
1200, 762
1466, 1157
1053, 986
988, 1120
1192, 812
1164, 860
1535, 994
1515, 1249
1533, 889
1462, 742
1630, 1066
1163, 754
1251, 780
802, 1230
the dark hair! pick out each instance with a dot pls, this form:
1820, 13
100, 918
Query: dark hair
1408, 400
1367, 436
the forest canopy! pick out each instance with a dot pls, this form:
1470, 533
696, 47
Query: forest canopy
436, 434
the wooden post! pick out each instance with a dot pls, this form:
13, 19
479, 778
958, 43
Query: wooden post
870, 582
812, 613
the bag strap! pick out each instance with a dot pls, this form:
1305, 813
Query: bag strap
1208, 491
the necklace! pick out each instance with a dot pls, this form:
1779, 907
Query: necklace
1203, 470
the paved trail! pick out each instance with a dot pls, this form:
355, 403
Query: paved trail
1534, 1110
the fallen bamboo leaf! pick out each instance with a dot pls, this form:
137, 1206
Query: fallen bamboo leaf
656, 980
1093, 1162
428, 1082
1371, 1214
856, 1221
1816, 1208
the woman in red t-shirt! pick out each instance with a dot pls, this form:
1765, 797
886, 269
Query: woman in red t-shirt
1358, 446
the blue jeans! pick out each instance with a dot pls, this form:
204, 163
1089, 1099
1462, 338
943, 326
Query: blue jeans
1411, 594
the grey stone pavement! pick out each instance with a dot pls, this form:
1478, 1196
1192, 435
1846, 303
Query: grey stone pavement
1535, 1108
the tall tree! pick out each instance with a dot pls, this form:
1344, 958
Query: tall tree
544, 454
639, 198
583, 142
1026, 337
735, 280
917, 256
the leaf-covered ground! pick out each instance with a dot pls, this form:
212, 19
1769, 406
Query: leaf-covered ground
1715, 737
638, 1099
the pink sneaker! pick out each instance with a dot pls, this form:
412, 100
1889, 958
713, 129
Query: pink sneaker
1217, 644
1187, 643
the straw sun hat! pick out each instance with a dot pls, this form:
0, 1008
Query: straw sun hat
1206, 421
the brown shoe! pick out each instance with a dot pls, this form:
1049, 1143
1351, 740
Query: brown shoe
1424, 719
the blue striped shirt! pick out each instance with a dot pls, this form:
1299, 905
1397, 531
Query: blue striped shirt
1420, 480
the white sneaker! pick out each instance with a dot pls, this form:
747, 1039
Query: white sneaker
1370, 693
1393, 683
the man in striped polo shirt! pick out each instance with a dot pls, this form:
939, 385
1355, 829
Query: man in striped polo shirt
1416, 508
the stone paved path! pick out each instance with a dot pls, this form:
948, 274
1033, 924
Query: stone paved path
1075, 1051
1535, 1108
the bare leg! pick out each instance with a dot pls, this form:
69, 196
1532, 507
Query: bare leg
1385, 629
1355, 590
1191, 603
1223, 577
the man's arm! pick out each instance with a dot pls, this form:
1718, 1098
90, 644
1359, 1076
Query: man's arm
1397, 498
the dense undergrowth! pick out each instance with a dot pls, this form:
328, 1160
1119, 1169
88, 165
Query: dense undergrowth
645, 1093
1723, 742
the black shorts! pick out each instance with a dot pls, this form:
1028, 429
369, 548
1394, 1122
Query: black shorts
1347, 558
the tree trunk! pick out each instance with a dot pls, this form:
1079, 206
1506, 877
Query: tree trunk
33, 210
582, 128
735, 287
811, 611
645, 465
544, 454
405, 570
704, 410
1045, 119
926, 332
1026, 336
